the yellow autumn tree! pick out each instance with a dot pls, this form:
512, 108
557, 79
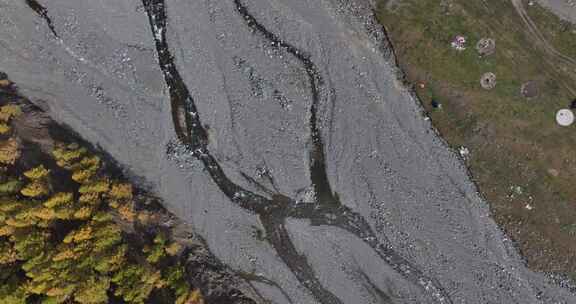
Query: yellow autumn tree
6, 114
127, 212
69, 246
9, 151
93, 291
121, 191
37, 173
59, 199
35, 189
8, 254
95, 186
4, 128
10, 186
173, 249
38, 185
67, 155
194, 297
44, 213
79, 235
9, 111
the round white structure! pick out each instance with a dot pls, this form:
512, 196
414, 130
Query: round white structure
565, 117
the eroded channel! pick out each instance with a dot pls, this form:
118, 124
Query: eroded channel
42, 12
273, 211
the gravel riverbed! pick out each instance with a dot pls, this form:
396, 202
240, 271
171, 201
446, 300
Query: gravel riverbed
294, 97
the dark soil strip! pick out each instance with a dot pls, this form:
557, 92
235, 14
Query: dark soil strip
42, 12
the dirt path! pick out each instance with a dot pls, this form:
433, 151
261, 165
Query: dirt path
545, 45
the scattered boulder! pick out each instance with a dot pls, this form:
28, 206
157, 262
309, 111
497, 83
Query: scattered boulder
553, 172
488, 81
529, 89
486, 46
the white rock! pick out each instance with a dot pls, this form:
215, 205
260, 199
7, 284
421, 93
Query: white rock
464, 152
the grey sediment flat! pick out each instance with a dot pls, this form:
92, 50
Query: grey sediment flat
100, 75
565, 9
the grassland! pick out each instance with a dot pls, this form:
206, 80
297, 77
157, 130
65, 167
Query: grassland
522, 161
560, 33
